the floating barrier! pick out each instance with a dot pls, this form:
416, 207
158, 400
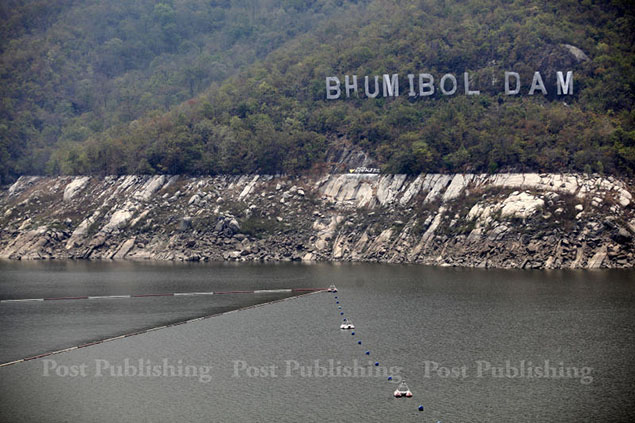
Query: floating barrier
127, 335
166, 294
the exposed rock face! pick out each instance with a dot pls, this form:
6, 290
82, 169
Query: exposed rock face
74, 187
521, 205
579, 55
502, 220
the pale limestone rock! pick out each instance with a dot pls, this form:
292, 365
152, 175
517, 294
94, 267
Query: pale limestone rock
579, 257
124, 249
338, 247
521, 205
482, 213
388, 188
81, 230
579, 55
596, 261
22, 183
73, 188
381, 240
126, 182
412, 190
325, 231
248, 188
333, 185
321, 244
139, 218
27, 243
118, 219
153, 184
427, 236
360, 246
437, 184
348, 190
365, 195
625, 198
15, 187
457, 186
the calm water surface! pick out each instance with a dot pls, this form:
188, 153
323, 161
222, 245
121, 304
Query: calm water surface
285, 361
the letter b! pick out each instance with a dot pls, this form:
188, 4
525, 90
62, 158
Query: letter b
333, 91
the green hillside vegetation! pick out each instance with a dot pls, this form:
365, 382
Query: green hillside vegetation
273, 116
71, 69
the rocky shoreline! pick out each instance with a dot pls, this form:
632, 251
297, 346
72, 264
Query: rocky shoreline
503, 220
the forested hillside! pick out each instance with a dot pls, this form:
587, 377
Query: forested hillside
72, 69
85, 90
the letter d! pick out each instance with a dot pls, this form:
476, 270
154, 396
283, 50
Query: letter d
516, 90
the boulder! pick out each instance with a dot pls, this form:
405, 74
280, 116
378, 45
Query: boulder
118, 219
75, 187
150, 187
124, 249
521, 205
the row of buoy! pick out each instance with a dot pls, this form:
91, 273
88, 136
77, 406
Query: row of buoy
402, 390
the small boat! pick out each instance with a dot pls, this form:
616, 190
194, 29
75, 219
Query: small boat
347, 324
332, 288
402, 391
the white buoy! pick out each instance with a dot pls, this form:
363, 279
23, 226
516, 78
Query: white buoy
347, 324
402, 391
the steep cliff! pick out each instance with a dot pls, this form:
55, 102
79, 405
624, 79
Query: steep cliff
501, 220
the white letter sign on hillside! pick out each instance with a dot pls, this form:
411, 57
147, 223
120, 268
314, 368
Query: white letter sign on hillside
516, 90
426, 88
348, 86
448, 85
565, 88
466, 83
452, 78
332, 91
391, 85
375, 91
537, 83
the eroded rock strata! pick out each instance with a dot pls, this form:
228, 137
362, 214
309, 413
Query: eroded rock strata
502, 220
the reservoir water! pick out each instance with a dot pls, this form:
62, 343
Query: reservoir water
473, 345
